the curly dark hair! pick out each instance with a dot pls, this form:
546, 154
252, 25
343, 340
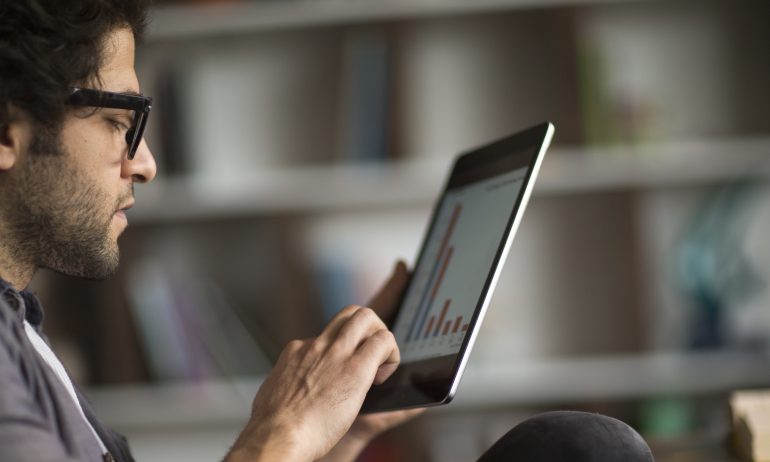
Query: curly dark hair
47, 46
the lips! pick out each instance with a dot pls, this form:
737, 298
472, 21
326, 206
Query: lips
126, 207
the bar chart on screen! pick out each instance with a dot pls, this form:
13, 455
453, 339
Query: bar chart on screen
435, 321
447, 282
433, 284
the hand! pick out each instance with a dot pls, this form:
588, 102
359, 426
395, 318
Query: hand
386, 300
368, 426
314, 392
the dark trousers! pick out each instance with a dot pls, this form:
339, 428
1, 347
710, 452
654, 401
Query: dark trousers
567, 436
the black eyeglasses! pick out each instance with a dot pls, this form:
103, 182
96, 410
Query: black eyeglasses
141, 106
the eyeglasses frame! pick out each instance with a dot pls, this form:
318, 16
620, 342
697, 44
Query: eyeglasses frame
140, 104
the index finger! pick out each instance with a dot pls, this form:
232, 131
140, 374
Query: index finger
331, 331
381, 351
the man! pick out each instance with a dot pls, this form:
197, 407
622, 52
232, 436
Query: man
67, 170
71, 149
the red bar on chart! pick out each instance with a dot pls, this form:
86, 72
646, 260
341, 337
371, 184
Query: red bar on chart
443, 315
450, 229
446, 327
441, 273
430, 324
465, 327
457, 324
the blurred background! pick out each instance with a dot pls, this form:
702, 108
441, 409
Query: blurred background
301, 144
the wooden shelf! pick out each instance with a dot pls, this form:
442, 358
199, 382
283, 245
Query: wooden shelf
659, 165
320, 188
200, 20
288, 190
488, 384
611, 378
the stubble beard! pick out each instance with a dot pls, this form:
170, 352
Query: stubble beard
59, 219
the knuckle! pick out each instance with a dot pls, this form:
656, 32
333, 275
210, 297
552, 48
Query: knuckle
316, 347
355, 364
350, 309
368, 315
366, 311
295, 345
345, 312
376, 338
337, 348
385, 336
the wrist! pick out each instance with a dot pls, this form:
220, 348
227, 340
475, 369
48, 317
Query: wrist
260, 454
259, 443
347, 449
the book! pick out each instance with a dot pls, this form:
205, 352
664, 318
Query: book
750, 410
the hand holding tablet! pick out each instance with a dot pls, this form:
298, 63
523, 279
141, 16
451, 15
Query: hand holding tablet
466, 244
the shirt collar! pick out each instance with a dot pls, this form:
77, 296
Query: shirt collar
24, 303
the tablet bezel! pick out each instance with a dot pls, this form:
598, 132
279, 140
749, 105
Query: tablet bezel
531, 144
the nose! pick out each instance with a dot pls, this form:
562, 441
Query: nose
142, 168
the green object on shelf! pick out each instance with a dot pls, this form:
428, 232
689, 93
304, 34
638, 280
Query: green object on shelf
666, 417
598, 128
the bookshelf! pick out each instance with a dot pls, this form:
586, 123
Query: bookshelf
628, 150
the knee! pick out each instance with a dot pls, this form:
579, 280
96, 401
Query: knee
570, 436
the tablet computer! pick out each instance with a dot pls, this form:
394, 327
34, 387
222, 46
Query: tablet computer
470, 233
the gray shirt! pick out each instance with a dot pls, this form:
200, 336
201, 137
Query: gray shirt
39, 422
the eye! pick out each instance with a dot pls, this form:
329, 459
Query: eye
117, 125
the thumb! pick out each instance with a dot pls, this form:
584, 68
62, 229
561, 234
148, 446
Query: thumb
389, 296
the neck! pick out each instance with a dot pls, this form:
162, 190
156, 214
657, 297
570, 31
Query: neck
17, 274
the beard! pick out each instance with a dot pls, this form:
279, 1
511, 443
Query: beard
58, 218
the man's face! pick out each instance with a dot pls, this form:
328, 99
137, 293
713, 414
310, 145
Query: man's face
71, 190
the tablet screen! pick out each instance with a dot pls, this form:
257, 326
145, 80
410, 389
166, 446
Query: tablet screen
455, 266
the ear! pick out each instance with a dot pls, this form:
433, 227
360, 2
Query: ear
13, 136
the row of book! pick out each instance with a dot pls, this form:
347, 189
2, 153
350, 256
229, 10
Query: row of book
188, 328
269, 103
